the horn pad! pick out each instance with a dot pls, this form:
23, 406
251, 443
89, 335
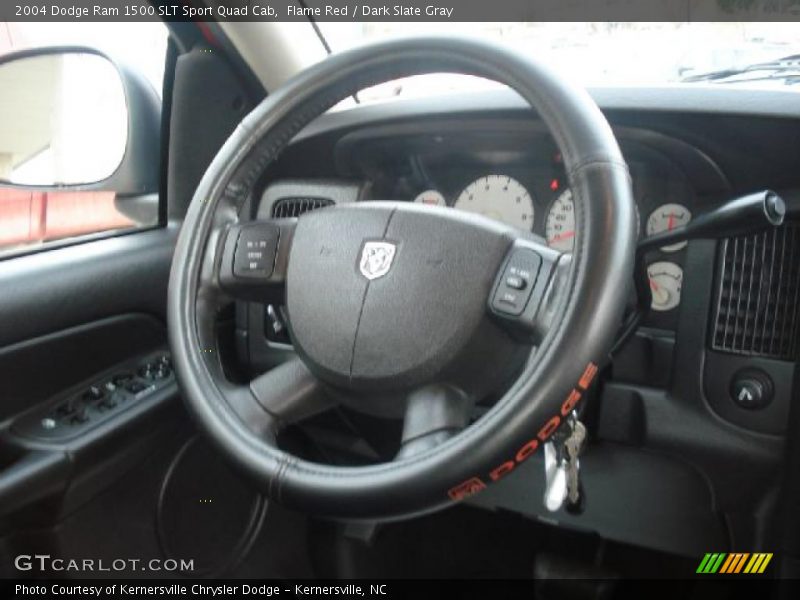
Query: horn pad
392, 295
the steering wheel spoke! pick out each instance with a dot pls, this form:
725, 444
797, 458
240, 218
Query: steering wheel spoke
290, 393
527, 287
280, 397
434, 414
254, 259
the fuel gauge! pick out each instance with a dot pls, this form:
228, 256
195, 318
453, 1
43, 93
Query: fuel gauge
666, 280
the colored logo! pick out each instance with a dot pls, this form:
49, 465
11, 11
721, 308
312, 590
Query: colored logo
734, 563
464, 490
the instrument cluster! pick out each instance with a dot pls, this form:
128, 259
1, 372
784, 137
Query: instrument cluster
534, 196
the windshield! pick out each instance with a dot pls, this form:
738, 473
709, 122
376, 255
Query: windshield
603, 53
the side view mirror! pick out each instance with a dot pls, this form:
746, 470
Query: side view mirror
72, 117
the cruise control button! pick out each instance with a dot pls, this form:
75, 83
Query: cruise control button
255, 250
515, 282
509, 299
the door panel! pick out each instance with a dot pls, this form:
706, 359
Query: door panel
46, 365
57, 289
71, 315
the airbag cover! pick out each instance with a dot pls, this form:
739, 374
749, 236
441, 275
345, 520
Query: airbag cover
417, 321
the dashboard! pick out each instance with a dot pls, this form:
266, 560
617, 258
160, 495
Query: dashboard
512, 171
664, 424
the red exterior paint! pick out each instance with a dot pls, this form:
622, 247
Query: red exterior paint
32, 217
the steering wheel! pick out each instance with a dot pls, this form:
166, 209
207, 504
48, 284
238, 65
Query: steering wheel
402, 310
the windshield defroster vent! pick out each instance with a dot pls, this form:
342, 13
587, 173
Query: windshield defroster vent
294, 207
757, 309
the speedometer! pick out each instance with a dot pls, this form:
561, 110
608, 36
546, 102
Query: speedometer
560, 224
499, 197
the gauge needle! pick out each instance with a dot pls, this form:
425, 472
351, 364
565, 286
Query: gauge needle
563, 236
659, 293
671, 222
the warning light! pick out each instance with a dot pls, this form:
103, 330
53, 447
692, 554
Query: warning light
554, 185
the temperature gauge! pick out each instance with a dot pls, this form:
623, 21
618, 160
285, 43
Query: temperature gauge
666, 280
666, 218
431, 198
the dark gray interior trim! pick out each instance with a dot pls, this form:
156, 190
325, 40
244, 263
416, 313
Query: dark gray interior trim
675, 98
54, 290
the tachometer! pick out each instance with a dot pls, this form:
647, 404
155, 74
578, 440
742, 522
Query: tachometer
560, 224
499, 197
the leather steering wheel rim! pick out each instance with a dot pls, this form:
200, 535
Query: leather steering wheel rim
585, 321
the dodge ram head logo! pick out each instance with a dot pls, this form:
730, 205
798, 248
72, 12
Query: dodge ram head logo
376, 259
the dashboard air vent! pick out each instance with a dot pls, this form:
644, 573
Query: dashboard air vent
757, 310
294, 207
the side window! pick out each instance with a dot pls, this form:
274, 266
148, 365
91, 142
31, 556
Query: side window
79, 124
